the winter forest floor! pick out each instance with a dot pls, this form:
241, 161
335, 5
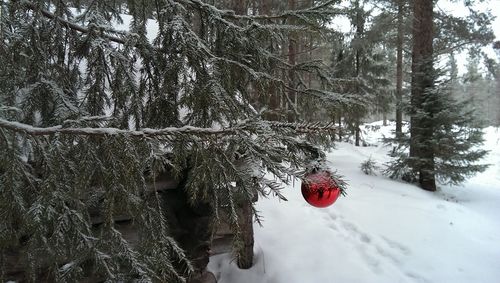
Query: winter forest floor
383, 231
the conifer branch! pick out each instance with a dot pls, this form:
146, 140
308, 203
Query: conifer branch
285, 15
69, 24
87, 131
170, 131
304, 127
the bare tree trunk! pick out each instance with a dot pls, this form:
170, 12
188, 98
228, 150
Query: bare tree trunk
358, 134
272, 98
245, 254
292, 60
359, 34
496, 46
399, 71
422, 81
340, 125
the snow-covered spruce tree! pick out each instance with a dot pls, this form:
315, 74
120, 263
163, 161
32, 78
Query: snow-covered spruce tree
361, 68
91, 117
455, 141
444, 134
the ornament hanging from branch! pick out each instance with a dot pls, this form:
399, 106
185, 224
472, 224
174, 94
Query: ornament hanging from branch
319, 188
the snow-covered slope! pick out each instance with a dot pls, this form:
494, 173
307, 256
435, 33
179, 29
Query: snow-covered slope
383, 231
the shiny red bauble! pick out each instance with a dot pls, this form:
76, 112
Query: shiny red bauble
319, 189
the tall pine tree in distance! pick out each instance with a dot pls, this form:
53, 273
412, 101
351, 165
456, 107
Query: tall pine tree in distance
92, 117
444, 133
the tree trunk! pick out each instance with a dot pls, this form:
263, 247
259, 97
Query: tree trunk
245, 254
340, 125
399, 71
292, 60
271, 97
422, 81
357, 132
360, 25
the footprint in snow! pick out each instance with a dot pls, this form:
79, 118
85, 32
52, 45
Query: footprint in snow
397, 246
441, 206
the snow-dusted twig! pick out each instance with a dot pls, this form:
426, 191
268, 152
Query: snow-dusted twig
286, 14
169, 131
304, 127
69, 24
37, 131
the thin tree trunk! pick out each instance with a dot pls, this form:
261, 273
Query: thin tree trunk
399, 71
357, 132
340, 125
292, 60
422, 81
359, 34
272, 98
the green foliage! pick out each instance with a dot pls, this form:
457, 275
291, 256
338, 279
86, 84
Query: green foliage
369, 167
455, 141
90, 116
361, 67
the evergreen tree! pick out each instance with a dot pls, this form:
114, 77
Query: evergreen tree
422, 126
443, 132
91, 118
396, 24
361, 68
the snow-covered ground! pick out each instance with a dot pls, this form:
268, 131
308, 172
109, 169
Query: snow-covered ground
383, 231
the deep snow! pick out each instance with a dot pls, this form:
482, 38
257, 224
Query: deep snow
383, 231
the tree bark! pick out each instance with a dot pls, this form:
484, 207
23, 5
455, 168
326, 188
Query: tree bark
359, 33
340, 125
271, 97
245, 254
399, 71
422, 81
292, 60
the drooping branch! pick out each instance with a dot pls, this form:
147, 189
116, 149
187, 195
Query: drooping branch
170, 131
88, 131
229, 14
199, 4
69, 24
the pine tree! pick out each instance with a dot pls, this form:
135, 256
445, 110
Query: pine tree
444, 133
361, 69
396, 24
92, 119
423, 74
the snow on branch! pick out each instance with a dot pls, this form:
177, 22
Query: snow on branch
287, 14
68, 24
304, 127
37, 131
170, 131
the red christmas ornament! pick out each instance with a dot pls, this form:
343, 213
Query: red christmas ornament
319, 189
